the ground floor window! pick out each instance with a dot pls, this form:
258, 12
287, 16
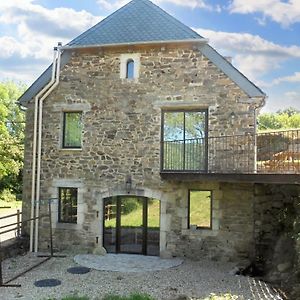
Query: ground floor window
67, 206
200, 209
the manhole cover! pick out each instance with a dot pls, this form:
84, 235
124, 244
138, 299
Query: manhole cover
78, 270
47, 283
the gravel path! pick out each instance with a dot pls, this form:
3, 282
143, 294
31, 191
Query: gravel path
194, 279
126, 263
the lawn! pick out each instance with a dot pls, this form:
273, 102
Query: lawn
200, 208
6, 207
200, 212
135, 217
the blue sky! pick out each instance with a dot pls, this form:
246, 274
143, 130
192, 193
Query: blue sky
262, 36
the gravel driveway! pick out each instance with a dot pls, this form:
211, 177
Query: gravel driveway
194, 279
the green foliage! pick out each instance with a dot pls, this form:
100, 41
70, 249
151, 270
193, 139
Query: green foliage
11, 138
131, 297
134, 217
282, 119
75, 298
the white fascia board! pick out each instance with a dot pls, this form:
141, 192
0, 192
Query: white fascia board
234, 74
199, 41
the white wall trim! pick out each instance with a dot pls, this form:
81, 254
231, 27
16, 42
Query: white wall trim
123, 65
68, 183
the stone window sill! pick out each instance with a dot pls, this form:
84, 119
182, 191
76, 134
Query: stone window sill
202, 232
71, 149
70, 226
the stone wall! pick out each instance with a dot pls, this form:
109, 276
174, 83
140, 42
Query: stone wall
121, 137
231, 237
276, 231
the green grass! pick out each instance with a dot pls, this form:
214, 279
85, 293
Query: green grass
135, 217
11, 204
200, 208
75, 298
131, 297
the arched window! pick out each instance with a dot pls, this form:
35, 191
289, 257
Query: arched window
130, 69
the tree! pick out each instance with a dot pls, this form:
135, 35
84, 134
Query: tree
12, 123
282, 119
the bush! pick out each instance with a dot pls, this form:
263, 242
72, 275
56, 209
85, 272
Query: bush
7, 196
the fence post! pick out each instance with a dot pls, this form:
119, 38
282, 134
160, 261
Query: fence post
50, 227
1, 278
18, 223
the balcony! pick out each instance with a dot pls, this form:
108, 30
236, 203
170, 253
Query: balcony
272, 154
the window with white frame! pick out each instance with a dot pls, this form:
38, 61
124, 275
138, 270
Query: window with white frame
129, 66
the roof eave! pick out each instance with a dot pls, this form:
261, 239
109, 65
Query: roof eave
232, 72
196, 41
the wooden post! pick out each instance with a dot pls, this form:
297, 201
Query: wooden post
18, 223
1, 278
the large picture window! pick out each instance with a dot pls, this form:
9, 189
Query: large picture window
200, 209
184, 142
72, 130
67, 208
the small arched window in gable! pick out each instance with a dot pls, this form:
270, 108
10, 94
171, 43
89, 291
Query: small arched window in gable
130, 69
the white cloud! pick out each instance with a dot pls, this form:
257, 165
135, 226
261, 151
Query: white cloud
63, 21
293, 78
279, 101
280, 11
109, 5
10, 47
37, 29
253, 55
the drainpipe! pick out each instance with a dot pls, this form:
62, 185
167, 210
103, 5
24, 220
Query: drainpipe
39, 145
33, 172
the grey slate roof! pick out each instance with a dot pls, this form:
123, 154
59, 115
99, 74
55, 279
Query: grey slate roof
138, 21
37, 86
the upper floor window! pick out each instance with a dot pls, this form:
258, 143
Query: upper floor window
72, 129
67, 205
130, 69
184, 144
129, 65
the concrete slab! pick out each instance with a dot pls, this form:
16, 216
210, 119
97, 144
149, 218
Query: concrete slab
127, 263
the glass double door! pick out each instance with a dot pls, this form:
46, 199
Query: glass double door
131, 225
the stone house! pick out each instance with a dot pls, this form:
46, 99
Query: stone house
139, 118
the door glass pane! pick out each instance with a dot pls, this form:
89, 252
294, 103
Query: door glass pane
173, 140
153, 227
110, 217
131, 231
195, 140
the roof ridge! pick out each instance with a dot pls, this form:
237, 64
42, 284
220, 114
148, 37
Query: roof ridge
171, 18
154, 8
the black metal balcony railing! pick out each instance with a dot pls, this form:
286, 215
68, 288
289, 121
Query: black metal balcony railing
275, 152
